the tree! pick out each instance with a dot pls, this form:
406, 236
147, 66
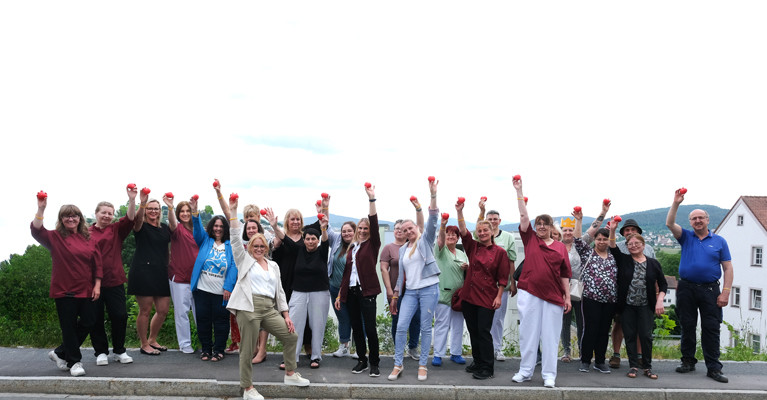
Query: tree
670, 263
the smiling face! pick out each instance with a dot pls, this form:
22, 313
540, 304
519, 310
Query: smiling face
699, 221
601, 242
70, 222
630, 230
484, 233
257, 247
635, 245
251, 228
294, 222
451, 238
555, 235
104, 216
185, 213
153, 212
398, 234
410, 231
567, 235
363, 231
542, 230
347, 233
218, 230
494, 220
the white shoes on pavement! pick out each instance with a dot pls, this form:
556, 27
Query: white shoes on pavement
123, 358
252, 394
102, 359
61, 364
296, 380
77, 369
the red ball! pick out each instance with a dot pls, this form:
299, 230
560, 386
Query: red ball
461, 200
42, 195
432, 179
324, 195
169, 195
234, 196
368, 185
319, 202
618, 218
525, 199
216, 184
263, 212
606, 201
682, 190
195, 197
445, 216
320, 216
517, 177
577, 208
413, 198
145, 191
483, 198
131, 186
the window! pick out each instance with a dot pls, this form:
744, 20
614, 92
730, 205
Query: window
740, 220
756, 343
735, 296
756, 256
756, 299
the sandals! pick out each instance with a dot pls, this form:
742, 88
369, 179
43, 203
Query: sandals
425, 373
648, 373
158, 347
565, 358
205, 356
217, 357
315, 363
253, 361
396, 372
282, 366
632, 372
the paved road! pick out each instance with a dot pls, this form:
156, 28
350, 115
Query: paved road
175, 373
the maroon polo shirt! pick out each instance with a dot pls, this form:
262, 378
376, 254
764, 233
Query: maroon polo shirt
544, 267
183, 254
76, 263
489, 269
109, 241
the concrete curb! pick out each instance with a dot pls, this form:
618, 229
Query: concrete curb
215, 388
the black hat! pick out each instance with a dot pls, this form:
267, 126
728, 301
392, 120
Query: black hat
630, 222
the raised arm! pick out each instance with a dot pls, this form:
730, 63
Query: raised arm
613, 227
278, 233
221, 200
459, 215
592, 231
324, 228
41, 204
418, 213
132, 192
524, 218
578, 215
671, 224
371, 192
139, 221
481, 215
172, 222
441, 235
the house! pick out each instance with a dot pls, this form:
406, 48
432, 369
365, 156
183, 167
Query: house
745, 229
670, 297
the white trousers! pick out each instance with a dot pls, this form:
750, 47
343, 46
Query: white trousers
498, 319
539, 322
317, 305
447, 321
181, 294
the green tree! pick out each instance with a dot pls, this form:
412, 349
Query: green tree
669, 262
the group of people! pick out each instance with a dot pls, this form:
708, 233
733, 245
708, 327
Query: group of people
237, 276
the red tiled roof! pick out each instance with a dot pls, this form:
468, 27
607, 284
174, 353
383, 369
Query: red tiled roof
671, 281
758, 206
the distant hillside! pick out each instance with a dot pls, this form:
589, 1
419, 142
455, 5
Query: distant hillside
655, 220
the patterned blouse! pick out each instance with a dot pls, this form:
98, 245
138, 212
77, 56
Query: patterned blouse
599, 275
637, 295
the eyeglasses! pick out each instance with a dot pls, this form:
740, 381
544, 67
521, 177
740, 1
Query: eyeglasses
697, 218
635, 244
259, 246
70, 217
153, 209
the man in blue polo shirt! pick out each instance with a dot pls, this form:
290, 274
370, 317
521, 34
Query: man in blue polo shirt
704, 256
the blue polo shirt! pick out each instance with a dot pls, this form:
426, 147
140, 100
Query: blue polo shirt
701, 259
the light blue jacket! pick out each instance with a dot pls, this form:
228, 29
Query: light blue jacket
425, 248
334, 241
205, 243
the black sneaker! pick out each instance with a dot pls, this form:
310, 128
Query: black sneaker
603, 368
361, 366
584, 367
717, 376
482, 374
472, 368
374, 371
685, 368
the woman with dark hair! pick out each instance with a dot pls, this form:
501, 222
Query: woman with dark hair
638, 276
109, 236
599, 275
75, 280
486, 279
148, 276
360, 287
183, 254
543, 296
212, 282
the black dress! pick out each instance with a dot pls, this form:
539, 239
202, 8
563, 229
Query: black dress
148, 275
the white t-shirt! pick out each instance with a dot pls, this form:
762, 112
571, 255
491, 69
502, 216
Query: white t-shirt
262, 282
213, 271
412, 267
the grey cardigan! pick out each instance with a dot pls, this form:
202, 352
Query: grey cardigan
425, 249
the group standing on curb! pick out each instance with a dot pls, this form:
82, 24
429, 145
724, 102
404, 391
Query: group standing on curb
284, 284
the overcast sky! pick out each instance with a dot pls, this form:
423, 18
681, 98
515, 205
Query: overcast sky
284, 100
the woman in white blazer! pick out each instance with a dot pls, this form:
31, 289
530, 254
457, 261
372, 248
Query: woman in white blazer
258, 301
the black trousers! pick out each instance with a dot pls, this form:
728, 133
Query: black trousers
212, 319
690, 299
597, 318
479, 320
363, 308
638, 321
113, 298
76, 316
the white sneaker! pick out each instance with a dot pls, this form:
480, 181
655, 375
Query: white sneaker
295, 380
519, 378
77, 369
102, 359
343, 351
61, 364
499, 356
123, 358
549, 383
187, 350
252, 394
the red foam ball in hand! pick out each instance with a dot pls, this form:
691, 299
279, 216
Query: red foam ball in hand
525, 199
461, 200
483, 198
445, 216
324, 195
577, 209
42, 195
319, 202
216, 183
169, 195
606, 201
432, 179
368, 185
617, 218
146, 191
320, 216
413, 198
517, 177
195, 197
263, 212
131, 186
682, 190
234, 196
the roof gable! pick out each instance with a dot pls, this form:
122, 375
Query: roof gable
757, 205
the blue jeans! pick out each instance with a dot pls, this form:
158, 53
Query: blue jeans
344, 323
413, 331
414, 300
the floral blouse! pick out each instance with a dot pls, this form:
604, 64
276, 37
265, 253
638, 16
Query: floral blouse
599, 275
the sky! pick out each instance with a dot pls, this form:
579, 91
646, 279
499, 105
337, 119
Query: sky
282, 101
